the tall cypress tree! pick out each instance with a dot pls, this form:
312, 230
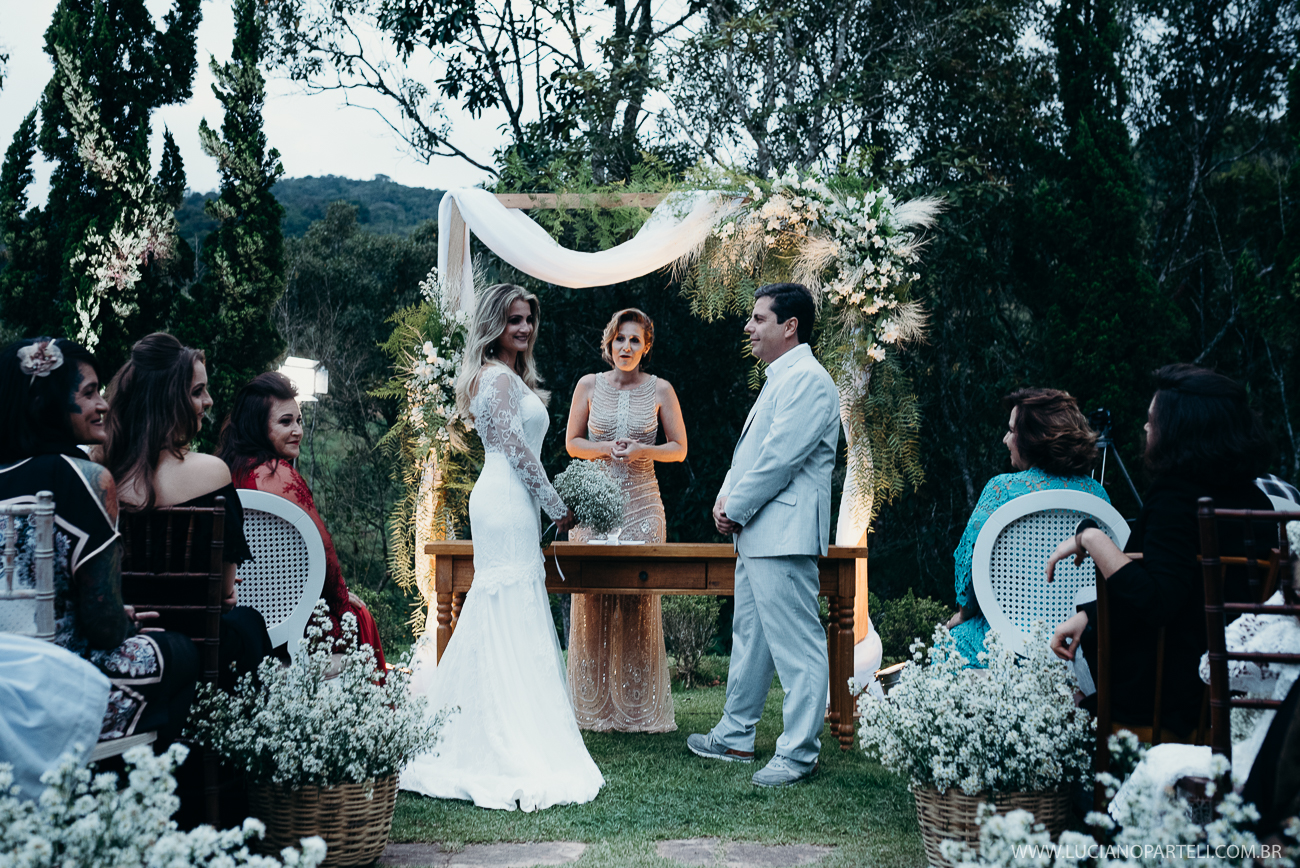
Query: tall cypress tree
230, 312
101, 261
1105, 324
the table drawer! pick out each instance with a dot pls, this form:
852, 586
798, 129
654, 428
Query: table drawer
686, 575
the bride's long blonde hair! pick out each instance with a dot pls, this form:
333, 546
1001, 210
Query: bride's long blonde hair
488, 325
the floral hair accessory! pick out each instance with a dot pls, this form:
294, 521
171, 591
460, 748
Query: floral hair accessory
37, 359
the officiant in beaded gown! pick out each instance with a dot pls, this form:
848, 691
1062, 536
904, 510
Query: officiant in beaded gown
618, 668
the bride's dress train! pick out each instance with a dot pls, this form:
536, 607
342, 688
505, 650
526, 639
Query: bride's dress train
511, 740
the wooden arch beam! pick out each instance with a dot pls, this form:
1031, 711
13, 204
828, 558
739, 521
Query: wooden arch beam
553, 201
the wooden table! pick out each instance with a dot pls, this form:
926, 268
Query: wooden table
671, 568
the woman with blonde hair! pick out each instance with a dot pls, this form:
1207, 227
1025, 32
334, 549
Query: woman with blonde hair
510, 739
618, 668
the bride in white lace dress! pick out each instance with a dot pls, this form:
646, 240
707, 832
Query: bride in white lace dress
512, 740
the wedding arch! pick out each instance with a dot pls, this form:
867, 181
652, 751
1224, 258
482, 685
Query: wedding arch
850, 242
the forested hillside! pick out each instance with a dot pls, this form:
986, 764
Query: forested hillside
383, 206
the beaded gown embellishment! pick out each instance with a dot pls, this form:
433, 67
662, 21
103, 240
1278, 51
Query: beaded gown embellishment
618, 668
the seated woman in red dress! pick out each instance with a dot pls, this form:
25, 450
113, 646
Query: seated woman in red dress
259, 442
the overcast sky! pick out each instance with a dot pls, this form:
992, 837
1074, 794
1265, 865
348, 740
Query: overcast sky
315, 134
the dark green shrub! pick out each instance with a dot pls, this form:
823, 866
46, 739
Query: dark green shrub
392, 610
902, 621
689, 625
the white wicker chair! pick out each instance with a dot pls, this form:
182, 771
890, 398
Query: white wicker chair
1011, 552
285, 577
1282, 504
29, 611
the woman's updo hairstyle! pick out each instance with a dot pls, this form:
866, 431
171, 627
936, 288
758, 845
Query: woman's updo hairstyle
35, 418
149, 410
245, 437
615, 323
1202, 428
1051, 433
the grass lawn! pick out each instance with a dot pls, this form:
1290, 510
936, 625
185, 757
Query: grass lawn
655, 789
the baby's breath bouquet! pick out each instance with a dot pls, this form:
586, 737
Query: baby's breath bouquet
1017, 729
96, 820
293, 727
593, 495
1155, 828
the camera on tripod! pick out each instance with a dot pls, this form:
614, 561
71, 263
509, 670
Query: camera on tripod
1101, 422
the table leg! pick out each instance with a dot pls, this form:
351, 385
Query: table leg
444, 622
840, 690
442, 587
457, 603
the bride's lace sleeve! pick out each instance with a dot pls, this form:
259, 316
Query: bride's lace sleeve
500, 423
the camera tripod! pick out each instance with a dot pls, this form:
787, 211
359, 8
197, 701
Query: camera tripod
1100, 421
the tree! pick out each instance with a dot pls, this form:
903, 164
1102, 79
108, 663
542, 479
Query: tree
972, 139
229, 311
573, 79
1215, 156
101, 261
343, 285
796, 84
1104, 321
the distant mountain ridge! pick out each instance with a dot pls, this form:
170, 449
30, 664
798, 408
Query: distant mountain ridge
383, 206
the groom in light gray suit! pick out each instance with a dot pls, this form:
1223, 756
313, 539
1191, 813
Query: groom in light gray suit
776, 504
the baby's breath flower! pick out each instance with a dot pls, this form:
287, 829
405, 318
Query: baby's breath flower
294, 727
594, 496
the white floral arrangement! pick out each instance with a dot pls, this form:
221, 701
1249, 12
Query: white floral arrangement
595, 497
432, 366
293, 727
113, 257
1017, 729
85, 820
1155, 829
855, 249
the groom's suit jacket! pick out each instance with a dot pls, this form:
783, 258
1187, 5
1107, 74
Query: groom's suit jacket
779, 484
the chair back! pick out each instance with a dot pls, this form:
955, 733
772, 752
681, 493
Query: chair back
285, 577
1283, 504
172, 564
1262, 561
1011, 551
29, 611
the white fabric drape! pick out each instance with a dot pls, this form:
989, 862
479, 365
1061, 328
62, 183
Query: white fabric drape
678, 226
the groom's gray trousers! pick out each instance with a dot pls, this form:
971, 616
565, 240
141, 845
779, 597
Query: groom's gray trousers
776, 626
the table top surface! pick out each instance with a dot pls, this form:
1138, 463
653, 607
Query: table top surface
662, 551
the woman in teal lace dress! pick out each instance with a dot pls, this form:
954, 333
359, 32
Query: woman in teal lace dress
1051, 447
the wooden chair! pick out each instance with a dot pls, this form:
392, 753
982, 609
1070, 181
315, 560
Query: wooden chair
172, 564
1106, 726
1262, 562
284, 579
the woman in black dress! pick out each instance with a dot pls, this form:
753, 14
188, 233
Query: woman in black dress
157, 404
50, 392
1203, 440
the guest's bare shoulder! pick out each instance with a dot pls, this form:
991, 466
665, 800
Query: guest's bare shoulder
180, 479
208, 468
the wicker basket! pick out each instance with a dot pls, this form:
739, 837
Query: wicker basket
355, 828
951, 816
